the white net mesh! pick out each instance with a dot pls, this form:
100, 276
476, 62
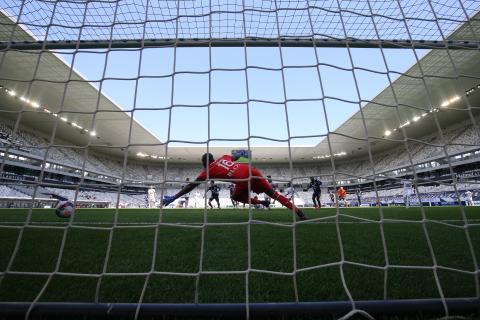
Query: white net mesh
397, 128
106, 20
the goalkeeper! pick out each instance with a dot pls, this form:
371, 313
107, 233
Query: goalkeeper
226, 168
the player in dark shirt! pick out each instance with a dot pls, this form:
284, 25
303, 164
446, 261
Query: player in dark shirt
316, 185
267, 198
214, 193
274, 187
231, 188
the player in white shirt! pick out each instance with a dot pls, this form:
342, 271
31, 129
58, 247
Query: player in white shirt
197, 199
152, 197
469, 198
186, 196
407, 192
290, 191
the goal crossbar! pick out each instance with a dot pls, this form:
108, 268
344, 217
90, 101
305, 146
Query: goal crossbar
232, 42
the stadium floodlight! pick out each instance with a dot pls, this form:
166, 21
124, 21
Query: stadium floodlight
78, 126
35, 105
416, 118
448, 102
64, 119
388, 133
12, 93
93, 133
454, 99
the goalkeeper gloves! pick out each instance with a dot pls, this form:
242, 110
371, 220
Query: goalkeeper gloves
238, 154
167, 200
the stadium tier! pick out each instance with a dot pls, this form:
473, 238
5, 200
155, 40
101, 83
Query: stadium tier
239, 159
27, 149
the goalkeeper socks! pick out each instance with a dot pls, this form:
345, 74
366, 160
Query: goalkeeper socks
301, 215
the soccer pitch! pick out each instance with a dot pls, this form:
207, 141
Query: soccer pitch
188, 261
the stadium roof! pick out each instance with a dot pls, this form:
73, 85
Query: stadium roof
441, 76
68, 94
64, 92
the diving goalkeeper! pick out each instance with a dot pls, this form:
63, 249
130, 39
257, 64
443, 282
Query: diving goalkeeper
226, 168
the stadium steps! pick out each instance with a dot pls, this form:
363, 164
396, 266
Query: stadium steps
28, 191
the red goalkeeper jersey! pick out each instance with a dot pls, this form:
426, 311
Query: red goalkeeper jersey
225, 168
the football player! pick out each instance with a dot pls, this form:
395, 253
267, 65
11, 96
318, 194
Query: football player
316, 185
214, 193
249, 179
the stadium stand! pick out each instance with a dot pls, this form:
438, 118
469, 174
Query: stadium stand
461, 137
7, 192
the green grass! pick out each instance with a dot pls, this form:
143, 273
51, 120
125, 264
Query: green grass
171, 242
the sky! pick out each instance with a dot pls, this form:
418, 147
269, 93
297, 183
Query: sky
195, 94
209, 89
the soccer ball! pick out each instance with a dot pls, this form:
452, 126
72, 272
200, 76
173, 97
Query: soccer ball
64, 209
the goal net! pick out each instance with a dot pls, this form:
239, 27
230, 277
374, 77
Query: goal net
364, 114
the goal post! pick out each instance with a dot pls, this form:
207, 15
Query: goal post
111, 104
238, 311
